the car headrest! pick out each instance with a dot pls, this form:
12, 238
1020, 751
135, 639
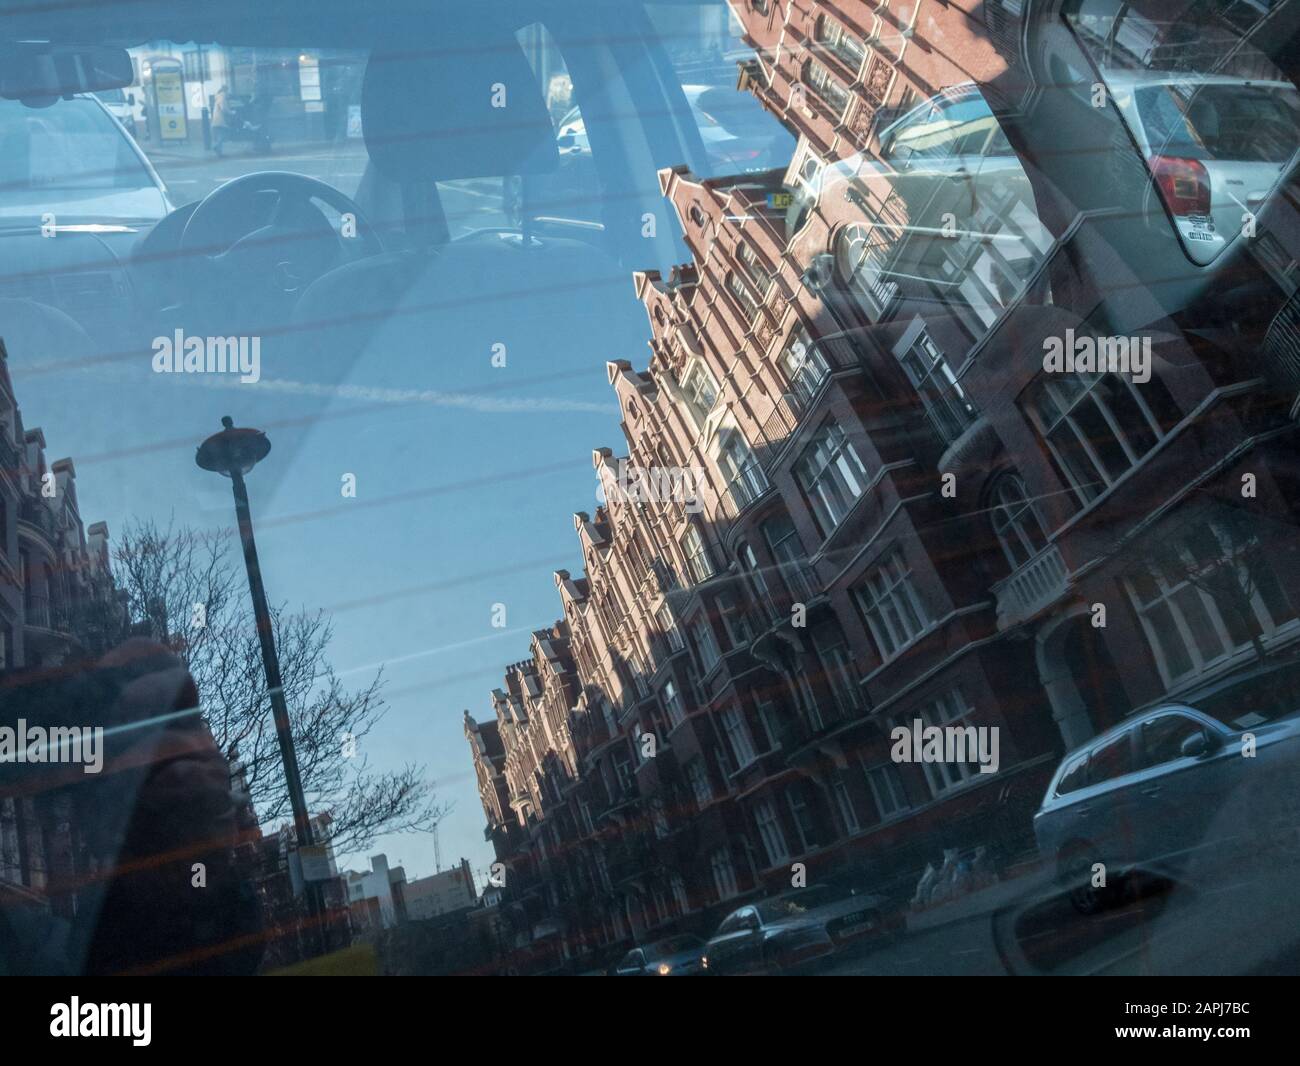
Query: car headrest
468, 111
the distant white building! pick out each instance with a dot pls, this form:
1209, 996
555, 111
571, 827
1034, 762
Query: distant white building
375, 896
440, 893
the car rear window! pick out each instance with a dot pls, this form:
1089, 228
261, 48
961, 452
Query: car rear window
1220, 122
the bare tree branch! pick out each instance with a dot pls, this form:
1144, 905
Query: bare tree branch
186, 589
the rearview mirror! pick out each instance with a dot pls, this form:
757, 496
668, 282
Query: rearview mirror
32, 71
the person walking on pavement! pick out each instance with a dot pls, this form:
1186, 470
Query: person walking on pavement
220, 120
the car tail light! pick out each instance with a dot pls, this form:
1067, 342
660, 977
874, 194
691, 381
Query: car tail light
1184, 183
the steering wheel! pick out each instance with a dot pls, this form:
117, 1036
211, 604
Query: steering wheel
262, 273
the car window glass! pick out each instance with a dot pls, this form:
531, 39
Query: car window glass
1162, 738
1113, 759
1074, 777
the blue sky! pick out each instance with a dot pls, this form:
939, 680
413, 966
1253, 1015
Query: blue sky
467, 474
467, 479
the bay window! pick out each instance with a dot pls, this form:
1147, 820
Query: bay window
831, 475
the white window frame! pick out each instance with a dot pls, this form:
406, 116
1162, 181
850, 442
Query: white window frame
844, 803
804, 366
824, 85
699, 567
887, 790
768, 822
949, 709
724, 874
1069, 399
847, 47
1172, 598
672, 700
1014, 519
797, 801
863, 253
697, 774
831, 475
736, 462
668, 627
736, 730
697, 382
892, 606
946, 405
706, 645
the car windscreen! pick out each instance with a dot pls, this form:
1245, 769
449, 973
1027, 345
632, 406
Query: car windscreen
796, 904
677, 945
947, 129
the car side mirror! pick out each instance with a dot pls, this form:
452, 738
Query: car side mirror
1197, 746
566, 140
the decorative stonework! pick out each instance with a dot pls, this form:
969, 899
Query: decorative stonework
880, 76
864, 115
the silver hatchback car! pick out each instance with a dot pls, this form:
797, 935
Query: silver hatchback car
1178, 788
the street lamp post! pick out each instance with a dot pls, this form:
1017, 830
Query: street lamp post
233, 453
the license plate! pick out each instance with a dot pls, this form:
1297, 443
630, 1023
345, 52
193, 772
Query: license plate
856, 926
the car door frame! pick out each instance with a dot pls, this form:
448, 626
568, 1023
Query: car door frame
1101, 807
1210, 798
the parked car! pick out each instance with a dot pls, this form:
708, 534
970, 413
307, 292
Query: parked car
795, 929
121, 104
68, 158
1216, 146
675, 956
1174, 784
947, 175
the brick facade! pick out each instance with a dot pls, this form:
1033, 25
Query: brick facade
889, 525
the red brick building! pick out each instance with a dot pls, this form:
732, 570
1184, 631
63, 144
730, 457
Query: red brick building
54, 578
900, 514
